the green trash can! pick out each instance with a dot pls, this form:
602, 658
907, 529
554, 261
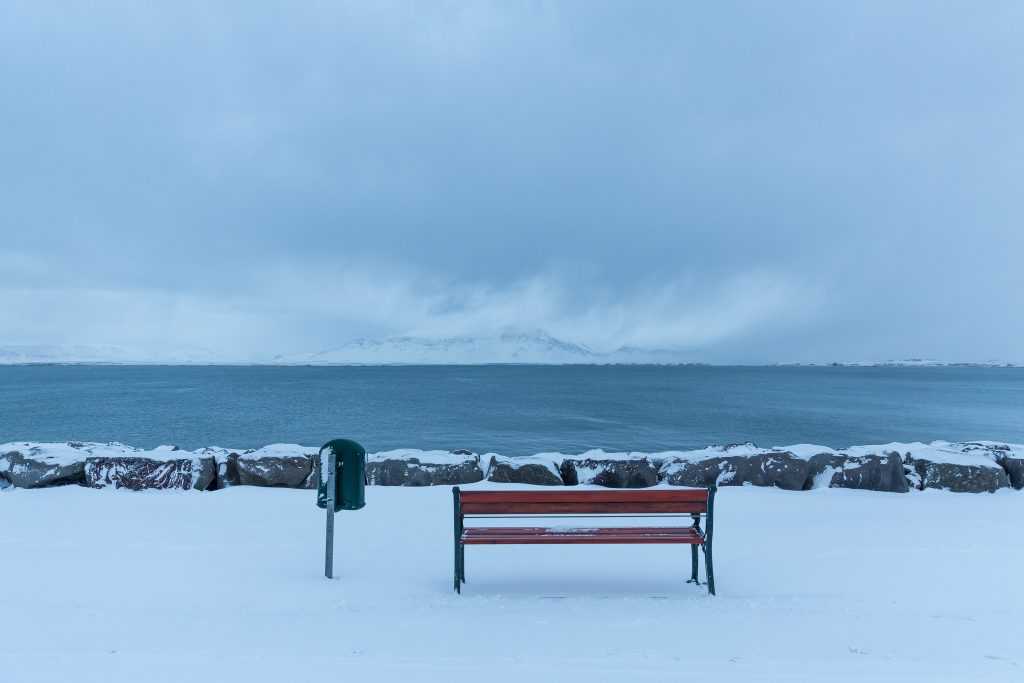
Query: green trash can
342, 466
349, 475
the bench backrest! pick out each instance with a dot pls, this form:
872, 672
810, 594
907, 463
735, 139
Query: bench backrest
608, 502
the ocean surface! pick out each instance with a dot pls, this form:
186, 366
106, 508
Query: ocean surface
515, 410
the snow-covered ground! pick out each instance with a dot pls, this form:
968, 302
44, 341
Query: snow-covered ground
228, 586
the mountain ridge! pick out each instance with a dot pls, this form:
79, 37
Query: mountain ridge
510, 347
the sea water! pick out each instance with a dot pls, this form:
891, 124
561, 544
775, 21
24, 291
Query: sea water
515, 410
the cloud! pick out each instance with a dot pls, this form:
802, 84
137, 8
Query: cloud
755, 183
284, 309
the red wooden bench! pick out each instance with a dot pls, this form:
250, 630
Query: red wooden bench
661, 503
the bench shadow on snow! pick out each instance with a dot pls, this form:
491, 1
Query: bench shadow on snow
568, 586
580, 572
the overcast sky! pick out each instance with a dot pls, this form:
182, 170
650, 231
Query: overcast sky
754, 181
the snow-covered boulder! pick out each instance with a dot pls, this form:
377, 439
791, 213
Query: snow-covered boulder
871, 472
961, 478
964, 468
227, 470
614, 470
736, 465
1009, 456
539, 469
30, 471
161, 468
38, 465
277, 465
1014, 466
225, 465
411, 467
971, 468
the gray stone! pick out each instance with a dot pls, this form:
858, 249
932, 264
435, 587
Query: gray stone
281, 471
631, 473
698, 474
1005, 456
509, 471
866, 472
960, 478
227, 471
28, 470
1014, 471
412, 471
314, 474
314, 471
137, 474
777, 468
911, 474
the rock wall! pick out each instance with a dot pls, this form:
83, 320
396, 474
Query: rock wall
29, 470
423, 468
539, 470
144, 473
885, 472
781, 469
973, 467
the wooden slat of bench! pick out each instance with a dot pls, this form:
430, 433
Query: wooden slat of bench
515, 530
621, 535
581, 540
581, 507
604, 496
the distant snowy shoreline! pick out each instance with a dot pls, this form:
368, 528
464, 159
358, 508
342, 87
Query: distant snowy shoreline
537, 348
388, 364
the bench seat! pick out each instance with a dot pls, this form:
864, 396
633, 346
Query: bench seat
561, 535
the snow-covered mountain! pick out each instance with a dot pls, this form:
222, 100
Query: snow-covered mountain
505, 348
510, 347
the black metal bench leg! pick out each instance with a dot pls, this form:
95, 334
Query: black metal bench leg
458, 569
693, 565
709, 569
460, 548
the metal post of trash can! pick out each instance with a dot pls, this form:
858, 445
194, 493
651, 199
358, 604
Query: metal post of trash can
329, 546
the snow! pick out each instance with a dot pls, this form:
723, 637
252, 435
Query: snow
936, 451
547, 460
828, 585
808, 450
276, 450
966, 453
324, 457
75, 451
425, 457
